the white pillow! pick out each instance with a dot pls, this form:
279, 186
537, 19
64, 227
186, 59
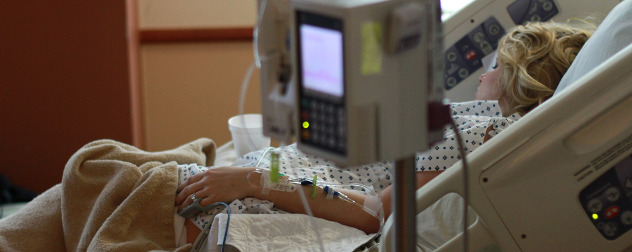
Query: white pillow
612, 35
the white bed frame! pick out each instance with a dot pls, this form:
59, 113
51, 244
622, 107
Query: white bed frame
524, 183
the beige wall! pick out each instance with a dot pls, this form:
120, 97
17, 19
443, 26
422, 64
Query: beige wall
190, 90
160, 14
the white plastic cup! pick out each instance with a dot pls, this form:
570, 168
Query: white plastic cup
248, 137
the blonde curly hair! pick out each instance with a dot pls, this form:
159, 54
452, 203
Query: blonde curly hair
535, 56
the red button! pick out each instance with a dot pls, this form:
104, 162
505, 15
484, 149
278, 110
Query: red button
470, 55
306, 135
612, 212
305, 115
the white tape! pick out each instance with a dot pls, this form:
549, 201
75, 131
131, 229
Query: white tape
330, 193
283, 185
372, 205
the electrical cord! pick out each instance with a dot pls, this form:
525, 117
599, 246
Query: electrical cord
242, 102
255, 45
201, 242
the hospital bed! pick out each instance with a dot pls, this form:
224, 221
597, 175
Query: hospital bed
541, 177
560, 178
507, 170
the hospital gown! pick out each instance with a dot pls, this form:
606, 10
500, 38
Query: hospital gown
472, 118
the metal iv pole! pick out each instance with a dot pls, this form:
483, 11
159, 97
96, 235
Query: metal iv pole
404, 206
405, 182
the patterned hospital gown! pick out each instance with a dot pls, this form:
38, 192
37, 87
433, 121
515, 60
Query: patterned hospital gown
472, 118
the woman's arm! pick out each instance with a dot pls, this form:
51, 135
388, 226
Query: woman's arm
225, 184
334, 209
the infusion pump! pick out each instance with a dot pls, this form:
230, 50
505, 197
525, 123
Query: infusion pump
362, 75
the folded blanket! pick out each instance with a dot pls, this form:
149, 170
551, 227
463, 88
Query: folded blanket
113, 197
284, 232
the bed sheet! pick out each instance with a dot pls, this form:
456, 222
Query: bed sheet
251, 231
435, 226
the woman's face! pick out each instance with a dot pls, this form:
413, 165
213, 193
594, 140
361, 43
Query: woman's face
490, 87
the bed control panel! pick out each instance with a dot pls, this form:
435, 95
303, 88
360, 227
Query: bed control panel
608, 200
522, 11
465, 57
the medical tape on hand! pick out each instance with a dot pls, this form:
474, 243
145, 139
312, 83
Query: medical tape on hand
282, 185
372, 205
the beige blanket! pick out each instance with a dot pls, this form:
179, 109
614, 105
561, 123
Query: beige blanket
113, 197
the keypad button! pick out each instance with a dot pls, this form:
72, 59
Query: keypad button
610, 229
331, 142
463, 73
626, 218
595, 205
451, 56
305, 115
479, 37
486, 47
305, 103
494, 29
451, 82
305, 134
547, 6
612, 193
612, 212
325, 118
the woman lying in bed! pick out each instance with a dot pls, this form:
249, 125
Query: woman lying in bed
531, 61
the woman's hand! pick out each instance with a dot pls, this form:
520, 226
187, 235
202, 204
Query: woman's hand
221, 184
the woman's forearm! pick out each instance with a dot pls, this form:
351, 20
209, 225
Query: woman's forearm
335, 209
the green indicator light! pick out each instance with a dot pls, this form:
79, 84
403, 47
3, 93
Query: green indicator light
595, 216
305, 124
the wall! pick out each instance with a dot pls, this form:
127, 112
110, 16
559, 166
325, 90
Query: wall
169, 14
191, 86
191, 89
64, 82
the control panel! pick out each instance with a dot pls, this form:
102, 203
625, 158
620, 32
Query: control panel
522, 11
321, 82
608, 200
323, 124
465, 57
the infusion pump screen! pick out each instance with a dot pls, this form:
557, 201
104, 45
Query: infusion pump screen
321, 55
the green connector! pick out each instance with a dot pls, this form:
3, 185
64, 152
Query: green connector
314, 187
274, 166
